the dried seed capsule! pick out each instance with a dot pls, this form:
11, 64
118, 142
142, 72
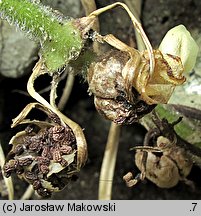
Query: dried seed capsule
49, 155
165, 170
167, 162
112, 98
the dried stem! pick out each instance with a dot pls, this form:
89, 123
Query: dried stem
28, 193
89, 7
67, 91
53, 91
108, 163
8, 181
135, 7
136, 24
110, 155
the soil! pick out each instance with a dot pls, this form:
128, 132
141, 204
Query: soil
157, 18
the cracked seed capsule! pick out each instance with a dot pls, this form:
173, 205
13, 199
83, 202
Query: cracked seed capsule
112, 99
47, 157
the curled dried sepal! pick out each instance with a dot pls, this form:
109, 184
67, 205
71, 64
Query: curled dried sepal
155, 87
136, 24
167, 74
179, 42
154, 81
45, 154
20, 119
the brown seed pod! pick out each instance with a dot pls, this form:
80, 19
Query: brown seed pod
112, 98
167, 168
127, 83
47, 157
163, 159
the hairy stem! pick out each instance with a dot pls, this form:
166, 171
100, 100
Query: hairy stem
59, 38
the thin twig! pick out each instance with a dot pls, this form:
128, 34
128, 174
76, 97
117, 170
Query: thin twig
53, 91
108, 163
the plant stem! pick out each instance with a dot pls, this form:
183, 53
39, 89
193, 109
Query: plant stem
8, 181
135, 7
108, 163
188, 129
66, 91
90, 6
28, 193
59, 38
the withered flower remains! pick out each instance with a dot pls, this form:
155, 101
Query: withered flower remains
45, 154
